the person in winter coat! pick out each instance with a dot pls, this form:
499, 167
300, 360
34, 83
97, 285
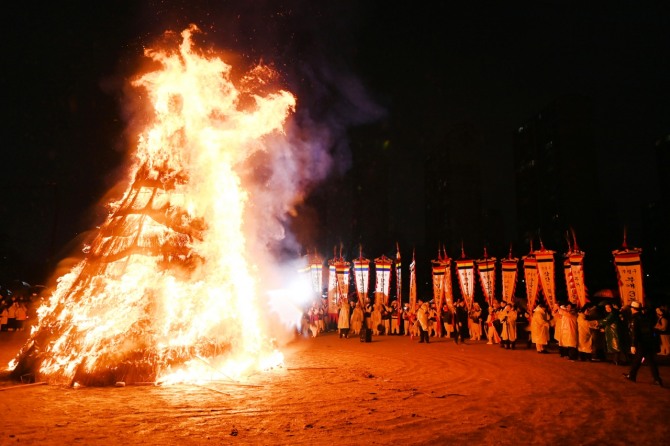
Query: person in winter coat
610, 325
539, 328
461, 321
642, 343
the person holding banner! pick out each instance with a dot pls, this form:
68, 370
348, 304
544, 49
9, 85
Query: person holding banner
508, 318
475, 322
376, 318
386, 318
396, 317
568, 326
422, 318
356, 322
491, 331
447, 320
539, 328
343, 319
461, 322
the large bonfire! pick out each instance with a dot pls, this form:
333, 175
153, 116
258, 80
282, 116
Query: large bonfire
169, 288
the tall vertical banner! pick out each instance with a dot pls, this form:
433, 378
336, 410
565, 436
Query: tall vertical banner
465, 269
439, 273
439, 269
316, 274
510, 268
383, 273
448, 287
576, 258
342, 273
362, 278
532, 277
398, 280
547, 274
487, 277
333, 294
412, 285
569, 282
304, 268
629, 273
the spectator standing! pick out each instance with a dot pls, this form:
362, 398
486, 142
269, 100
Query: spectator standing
662, 331
610, 325
642, 344
11, 315
21, 315
4, 315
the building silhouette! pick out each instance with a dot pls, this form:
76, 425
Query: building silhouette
557, 186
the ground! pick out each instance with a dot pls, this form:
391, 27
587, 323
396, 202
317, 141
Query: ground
341, 391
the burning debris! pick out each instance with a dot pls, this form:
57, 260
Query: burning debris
168, 290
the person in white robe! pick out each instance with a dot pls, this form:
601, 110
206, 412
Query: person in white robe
539, 328
343, 319
356, 322
585, 329
568, 329
376, 318
508, 318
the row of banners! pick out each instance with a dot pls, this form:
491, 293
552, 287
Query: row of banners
538, 270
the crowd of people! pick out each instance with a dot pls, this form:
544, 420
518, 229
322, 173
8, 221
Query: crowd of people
602, 332
13, 314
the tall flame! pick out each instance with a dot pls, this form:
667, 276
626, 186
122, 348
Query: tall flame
169, 288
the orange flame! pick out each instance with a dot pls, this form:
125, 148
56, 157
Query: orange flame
169, 290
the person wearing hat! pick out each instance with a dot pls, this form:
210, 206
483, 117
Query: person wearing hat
663, 331
642, 344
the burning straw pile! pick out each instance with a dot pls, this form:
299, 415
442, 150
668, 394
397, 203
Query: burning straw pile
168, 290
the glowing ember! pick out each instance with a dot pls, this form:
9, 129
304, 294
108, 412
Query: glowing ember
169, 288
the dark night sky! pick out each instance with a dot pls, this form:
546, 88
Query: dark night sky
415, 66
